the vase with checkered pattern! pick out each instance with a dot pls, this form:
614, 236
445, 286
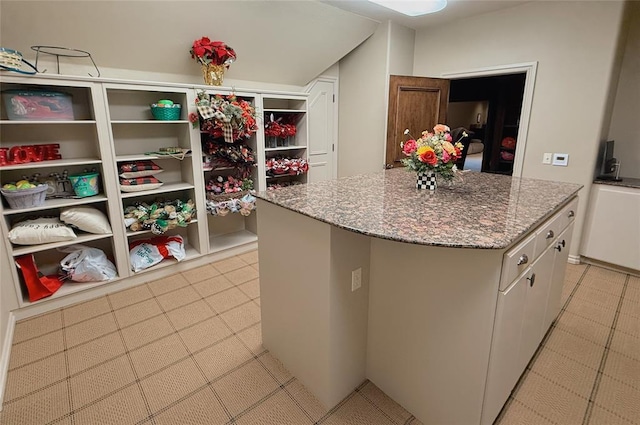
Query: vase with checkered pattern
426, 180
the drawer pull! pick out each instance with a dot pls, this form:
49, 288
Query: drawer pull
523, 260
550, 234
571, 214
532, 279
563, 243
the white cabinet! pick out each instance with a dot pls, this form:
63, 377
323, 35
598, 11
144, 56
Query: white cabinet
528, 302
285, 140
137, 136
83, 146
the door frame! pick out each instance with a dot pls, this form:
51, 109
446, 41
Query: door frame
335, 81
530, 69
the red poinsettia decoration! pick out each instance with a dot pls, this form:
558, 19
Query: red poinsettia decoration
206, 51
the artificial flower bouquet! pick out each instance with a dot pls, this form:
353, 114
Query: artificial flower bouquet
208, 52
434, 151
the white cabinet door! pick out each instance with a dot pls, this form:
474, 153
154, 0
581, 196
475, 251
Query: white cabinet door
561, 255
538, 281
504, 367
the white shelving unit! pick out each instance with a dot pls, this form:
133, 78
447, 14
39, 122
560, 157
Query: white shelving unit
112, 125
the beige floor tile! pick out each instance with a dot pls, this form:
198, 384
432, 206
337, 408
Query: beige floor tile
221, 358
178, 298
122, 408
86, 310
623, 368
138, 312
226, 300
229, 264
167, 284
605, 280
244, 387
592, 312
551, 401
628, 324
581, 350
242, 275
157, 355
574, 273
90, 329
190, 314
87, 355
252, 338
98, 382
598, 297
256, 266
43, 407
626, 344
566, 293
619, 399
565, 372
212, 286
631, 308
200, 273
202, 408
251, 288
144, 332
250, 257
378, 398
583, 328
279, 409
306, 400
632, 293
129, 296
275, 367
519, 414
35, 376
172, 384
37, 326
358, 411
242, 316
204, 334
36, 349
601, 416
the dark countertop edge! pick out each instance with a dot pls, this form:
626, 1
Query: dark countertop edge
503, 244
631, 182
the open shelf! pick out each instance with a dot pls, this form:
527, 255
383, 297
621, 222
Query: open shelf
57, 203
82, 238
218, 243
52, 163
165, 188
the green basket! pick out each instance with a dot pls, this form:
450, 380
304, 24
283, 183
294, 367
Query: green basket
166, 113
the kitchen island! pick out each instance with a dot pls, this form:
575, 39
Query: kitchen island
439, 298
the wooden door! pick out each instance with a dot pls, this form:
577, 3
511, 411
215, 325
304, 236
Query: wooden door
416, 103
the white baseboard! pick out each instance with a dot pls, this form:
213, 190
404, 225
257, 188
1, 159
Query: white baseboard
574, 259
4, 355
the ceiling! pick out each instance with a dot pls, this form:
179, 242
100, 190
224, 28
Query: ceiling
455, 10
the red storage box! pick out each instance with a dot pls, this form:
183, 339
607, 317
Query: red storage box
37, 105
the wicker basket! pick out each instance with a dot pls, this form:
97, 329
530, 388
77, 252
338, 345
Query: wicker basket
166, 113
25, 198
226, 196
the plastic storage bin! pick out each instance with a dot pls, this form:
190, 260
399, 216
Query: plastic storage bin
85, 184
37, 105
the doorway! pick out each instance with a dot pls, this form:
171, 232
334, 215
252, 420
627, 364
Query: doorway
489, 108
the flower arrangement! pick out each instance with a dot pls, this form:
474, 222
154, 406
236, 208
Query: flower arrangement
227, 116
278, 128
207, 52
434, 151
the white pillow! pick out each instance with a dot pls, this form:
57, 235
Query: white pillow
40, 230
89, 219
475, 147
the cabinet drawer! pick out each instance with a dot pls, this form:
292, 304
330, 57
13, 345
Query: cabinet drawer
568, 213
548, 233
516, 260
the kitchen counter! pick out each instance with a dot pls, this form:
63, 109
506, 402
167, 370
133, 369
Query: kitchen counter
487, 211
366, 277
626, 182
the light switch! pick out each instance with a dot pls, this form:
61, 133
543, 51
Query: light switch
546, 158
561, 159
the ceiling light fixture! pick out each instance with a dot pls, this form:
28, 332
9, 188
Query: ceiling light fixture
412, 8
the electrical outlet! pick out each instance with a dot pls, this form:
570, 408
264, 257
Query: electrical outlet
356, 279
546, 158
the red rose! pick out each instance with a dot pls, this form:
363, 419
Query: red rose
428, 157
409, 147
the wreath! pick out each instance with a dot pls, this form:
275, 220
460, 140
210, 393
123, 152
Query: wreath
227, 117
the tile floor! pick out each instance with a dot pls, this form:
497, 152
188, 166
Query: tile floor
186, 349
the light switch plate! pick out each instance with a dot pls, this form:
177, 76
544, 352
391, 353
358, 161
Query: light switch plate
561, 159
546, 158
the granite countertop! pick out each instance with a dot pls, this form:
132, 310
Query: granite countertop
626, 182
487, 211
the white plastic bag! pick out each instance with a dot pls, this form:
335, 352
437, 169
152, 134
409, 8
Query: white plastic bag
146, 253
86, 264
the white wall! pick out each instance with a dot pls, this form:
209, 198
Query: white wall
364, 90
624, 127
574, 43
